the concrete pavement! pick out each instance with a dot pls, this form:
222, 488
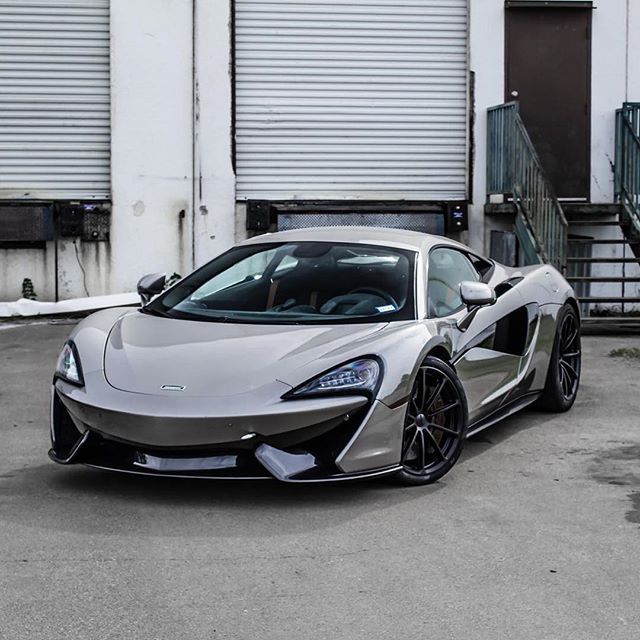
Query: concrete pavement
534, 535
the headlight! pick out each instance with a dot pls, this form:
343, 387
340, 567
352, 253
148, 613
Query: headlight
68, 367
359, 376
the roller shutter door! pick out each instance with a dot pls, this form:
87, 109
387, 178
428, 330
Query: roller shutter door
351, 99
54, 99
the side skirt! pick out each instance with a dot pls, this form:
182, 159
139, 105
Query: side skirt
502, 413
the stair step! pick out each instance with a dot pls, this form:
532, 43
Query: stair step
605, 319
601, 279
602, 325
589, 209
605, 260
502, 208
602, 241
618, 299
598, 223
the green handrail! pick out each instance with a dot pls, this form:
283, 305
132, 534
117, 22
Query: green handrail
627, 165
514, 170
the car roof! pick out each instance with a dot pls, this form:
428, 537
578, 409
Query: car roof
398, 238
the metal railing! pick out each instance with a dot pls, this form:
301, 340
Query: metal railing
627, 166
514, 170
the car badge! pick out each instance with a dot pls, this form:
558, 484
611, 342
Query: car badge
172, 387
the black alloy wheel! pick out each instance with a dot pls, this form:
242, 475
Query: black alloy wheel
563, 377
569, 356
435, 424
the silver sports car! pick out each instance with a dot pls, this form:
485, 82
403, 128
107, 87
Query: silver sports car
316, 355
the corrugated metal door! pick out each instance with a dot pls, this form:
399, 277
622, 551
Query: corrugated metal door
351, 99
54, 99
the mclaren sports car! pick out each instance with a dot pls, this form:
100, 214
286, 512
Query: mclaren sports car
316, 355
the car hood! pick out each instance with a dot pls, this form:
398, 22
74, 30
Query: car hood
143, 353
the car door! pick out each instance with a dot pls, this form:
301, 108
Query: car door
488, 351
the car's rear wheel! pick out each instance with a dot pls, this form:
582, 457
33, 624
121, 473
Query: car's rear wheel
435, 424
563, 377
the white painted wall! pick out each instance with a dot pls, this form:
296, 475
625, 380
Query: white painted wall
35, 264
215, 224
633, 58
171, 153
609, 82
159, 136
486, 51
151, 76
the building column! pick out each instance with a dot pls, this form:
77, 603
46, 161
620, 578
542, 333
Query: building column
151, 148
214, 178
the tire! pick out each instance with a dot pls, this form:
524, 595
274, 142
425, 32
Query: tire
435, 424
563, 376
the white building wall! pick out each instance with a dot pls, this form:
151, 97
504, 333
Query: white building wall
153, 155
151, 75
612, 84
35, 264
486, 58
171, 153
214, 187
610, 79
633, 56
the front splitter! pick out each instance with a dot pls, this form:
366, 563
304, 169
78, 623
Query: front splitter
370, 475
281, 465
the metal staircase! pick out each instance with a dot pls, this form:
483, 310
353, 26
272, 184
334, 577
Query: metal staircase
602, 267
596, 246
515, 171
627, 171
610, 234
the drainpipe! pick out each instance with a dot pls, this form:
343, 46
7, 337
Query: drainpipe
195, 172
56, 265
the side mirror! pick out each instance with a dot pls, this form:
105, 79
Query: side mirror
477, 294
151, 285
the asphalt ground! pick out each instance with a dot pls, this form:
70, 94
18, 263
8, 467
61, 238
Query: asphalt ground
535, 534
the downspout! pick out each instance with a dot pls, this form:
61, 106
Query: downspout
56, 265
194, 130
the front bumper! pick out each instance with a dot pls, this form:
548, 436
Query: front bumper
327, 439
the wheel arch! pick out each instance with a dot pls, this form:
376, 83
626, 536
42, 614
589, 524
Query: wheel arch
552, 398
440, 352
399, 374
572, 302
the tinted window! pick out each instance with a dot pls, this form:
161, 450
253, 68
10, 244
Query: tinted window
307, 282
447, 269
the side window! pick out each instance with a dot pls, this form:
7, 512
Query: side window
447, 269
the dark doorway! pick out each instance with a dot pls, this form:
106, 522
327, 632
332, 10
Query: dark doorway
548, 71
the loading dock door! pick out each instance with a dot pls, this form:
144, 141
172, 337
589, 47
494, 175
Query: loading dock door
54, 99
351, 100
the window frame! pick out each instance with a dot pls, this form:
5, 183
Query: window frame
483, 276
158, 306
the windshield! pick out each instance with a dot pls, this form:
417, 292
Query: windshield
305, 282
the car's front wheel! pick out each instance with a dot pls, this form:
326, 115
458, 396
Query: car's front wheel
435, 424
